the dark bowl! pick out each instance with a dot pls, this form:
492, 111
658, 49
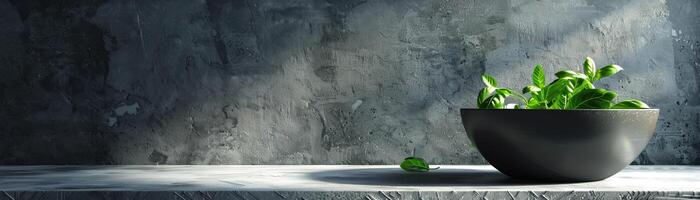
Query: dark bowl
560, 145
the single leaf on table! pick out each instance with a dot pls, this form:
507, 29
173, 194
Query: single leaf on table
589, 69
415, 164
608, 71
538, 76
630, 104
489, 81
592, 99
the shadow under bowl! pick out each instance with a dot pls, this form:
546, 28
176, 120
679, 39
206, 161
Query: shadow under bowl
560, 145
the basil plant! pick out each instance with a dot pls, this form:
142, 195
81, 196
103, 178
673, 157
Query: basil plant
571, 90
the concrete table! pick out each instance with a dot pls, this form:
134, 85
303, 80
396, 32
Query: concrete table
329, 182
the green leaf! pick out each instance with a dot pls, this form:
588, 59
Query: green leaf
582, 84
533, 103
415, 164
560, 102
592, 99
565, 73
504, 91
560, 87
630, 104
483, 94
589, 68
571, 74
507, 92
498, 101
485, 103
538, 76
531, 88
608, 71
495, 101
571, 90
489, 80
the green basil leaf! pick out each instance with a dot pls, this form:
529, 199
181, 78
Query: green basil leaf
565, 73
483, 94
592, 99
560, 87
495, 101
630, 104
582, 84
487, 101
489, 80
571, 74
533, 103
569, 87
498, 102
531, 88
508, 92
560, 102
504, 91
589, 68
538, 76
415, 164
571, 90
608, 71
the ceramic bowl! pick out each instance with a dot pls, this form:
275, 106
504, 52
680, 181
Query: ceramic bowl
560, 145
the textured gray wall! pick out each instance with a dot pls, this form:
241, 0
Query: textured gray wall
316, 81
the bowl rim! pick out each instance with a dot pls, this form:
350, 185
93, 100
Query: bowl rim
560, 110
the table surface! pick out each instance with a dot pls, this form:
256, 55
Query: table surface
323, 178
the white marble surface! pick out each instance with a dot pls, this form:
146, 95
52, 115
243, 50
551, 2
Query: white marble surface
323, 178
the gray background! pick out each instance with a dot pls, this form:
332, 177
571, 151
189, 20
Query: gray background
316, 81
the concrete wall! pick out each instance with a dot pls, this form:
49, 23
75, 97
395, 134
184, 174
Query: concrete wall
316, 81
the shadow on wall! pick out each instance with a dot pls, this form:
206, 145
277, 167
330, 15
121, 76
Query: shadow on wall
84, 77
302, 82
53, 90
124, 82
